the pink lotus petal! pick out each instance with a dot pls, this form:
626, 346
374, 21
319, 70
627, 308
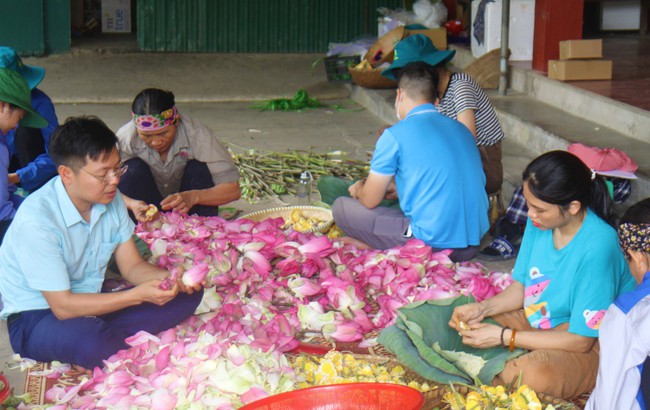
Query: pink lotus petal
481, 288
367, 343
257, 262
288, 267
162, 358
344, 332
320, 245
162, 399
120, 378
195, 275
55, 394
303, 287
253, 394
140, 338
363, 321
435, 293
167, 336
235, 356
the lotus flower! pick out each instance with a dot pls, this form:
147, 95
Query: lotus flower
288, 267
303, 287
342, 332
345, 300
313, 317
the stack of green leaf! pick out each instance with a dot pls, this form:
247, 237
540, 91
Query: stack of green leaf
423, 341
299, 102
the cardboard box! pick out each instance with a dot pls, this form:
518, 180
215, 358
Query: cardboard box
116, 16
438, 36
570, 70
580, 49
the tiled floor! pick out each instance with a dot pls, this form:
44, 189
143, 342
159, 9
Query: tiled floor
631, 70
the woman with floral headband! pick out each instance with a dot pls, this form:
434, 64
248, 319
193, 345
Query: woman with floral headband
625, 332
175, 162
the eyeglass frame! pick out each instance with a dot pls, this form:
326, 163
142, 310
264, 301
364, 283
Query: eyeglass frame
110, 175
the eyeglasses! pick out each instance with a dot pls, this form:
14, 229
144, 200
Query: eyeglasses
108, 178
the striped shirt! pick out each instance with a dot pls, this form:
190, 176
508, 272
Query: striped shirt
463, 93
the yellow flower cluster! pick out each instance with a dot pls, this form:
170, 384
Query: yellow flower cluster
300, 222
151, 212
336, 367
495, 398
363, 65
334, 232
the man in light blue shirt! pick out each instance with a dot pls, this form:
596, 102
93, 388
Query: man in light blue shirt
55, 253
437, 174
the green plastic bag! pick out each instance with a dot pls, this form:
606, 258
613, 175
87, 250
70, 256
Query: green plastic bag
331, 187
423, 341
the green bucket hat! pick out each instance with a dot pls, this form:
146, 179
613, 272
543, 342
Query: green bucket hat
417, 48
14, 90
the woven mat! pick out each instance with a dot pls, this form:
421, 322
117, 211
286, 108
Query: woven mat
37, 386
319, 343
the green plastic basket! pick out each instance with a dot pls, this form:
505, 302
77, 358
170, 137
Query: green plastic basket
336, 68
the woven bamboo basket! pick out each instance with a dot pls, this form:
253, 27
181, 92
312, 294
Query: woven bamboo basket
322, 214
371, 78
485, 69
384, 49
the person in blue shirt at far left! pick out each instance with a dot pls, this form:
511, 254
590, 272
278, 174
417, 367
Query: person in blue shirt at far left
31, 165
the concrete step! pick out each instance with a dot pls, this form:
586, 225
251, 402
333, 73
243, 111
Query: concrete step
541, 127
620, 117
538, 115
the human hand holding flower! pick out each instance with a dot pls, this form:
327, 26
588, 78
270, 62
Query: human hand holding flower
470, 314
150, 291
140, 210
190, 288
482, 335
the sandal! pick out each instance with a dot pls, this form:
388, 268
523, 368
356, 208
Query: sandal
499, 250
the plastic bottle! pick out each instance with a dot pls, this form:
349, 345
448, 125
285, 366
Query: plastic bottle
303, 191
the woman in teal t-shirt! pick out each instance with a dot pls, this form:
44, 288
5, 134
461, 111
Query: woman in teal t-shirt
569, 270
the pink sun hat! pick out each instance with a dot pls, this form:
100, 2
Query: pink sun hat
605, 161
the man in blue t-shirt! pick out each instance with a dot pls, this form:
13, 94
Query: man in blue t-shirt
437, 173
55, 254
31, 165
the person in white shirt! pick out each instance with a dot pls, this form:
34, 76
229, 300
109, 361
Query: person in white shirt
625, 331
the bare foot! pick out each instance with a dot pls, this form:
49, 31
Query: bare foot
352, 241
